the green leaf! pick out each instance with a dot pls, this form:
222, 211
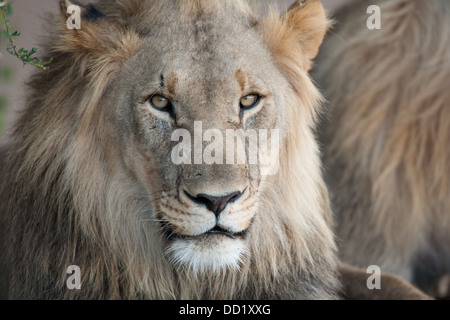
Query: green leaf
26, 56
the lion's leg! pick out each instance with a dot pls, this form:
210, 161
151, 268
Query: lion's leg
354, 282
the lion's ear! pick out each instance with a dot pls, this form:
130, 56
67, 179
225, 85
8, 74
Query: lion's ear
88, 12
300, 29
95, 36
83, 27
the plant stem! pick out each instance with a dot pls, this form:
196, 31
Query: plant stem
11, 44
24, 55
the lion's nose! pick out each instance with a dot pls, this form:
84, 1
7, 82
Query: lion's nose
214, 203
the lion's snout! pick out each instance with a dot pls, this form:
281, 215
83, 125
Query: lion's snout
213, 203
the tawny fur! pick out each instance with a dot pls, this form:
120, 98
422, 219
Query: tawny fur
387, 139
69, 199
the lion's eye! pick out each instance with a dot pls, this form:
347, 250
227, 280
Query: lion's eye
250, 101
160, 102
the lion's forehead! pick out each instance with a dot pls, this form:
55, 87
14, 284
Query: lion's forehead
203, 29
214, 42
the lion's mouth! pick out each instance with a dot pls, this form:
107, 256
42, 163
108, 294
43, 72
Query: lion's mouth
216, 231
219, 231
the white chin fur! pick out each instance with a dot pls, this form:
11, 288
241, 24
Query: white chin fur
212, 254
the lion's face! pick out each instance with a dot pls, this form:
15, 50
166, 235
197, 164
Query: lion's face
200, 74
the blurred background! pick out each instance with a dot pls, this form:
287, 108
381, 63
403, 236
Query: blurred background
29, 17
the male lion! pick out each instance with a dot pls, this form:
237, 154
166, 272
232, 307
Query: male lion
90, 181
387, 139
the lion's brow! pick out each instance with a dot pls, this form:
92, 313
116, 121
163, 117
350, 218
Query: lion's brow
242, 79
170, 82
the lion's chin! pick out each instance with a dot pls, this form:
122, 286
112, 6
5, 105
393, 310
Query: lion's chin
208, 253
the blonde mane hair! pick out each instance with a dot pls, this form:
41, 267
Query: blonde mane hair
386, 141
69, 201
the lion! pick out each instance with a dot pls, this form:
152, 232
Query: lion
386, 138
90, 179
